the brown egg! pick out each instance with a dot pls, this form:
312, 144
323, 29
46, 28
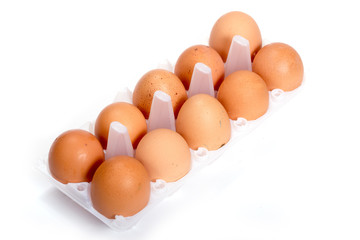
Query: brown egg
231, 24
280, 66
199, 53
153, 81
204, 122
244, 94
165, 155
121, 186
74, 156
125, 113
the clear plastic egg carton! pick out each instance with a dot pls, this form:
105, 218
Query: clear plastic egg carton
161, 116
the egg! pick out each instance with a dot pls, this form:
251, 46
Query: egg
244, 94
125, 113
165, 155
280, 66
153, 81
199, 53
74, 156
121, 186
204, 122
231, 24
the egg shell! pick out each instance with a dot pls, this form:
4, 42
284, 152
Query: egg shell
154, 80
231, 24
74, 156
125, 113
165, 155
244, 94
121, 186
184, 66
280, 66
204, 122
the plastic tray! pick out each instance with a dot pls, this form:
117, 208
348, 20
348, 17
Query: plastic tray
239, 58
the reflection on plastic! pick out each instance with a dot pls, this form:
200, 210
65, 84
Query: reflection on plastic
277, 95
201, 81
240, 124
239, 57
119, 142
161, 112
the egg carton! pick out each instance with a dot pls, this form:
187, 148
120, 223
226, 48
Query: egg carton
162, 116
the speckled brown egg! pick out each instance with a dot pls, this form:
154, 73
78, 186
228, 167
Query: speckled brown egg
280, 66
125, 113
121, 186
153, 81
204, 122
231, 24
199, 54
165, 155
244, 94
74, 156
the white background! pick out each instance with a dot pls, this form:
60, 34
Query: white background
298, 174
